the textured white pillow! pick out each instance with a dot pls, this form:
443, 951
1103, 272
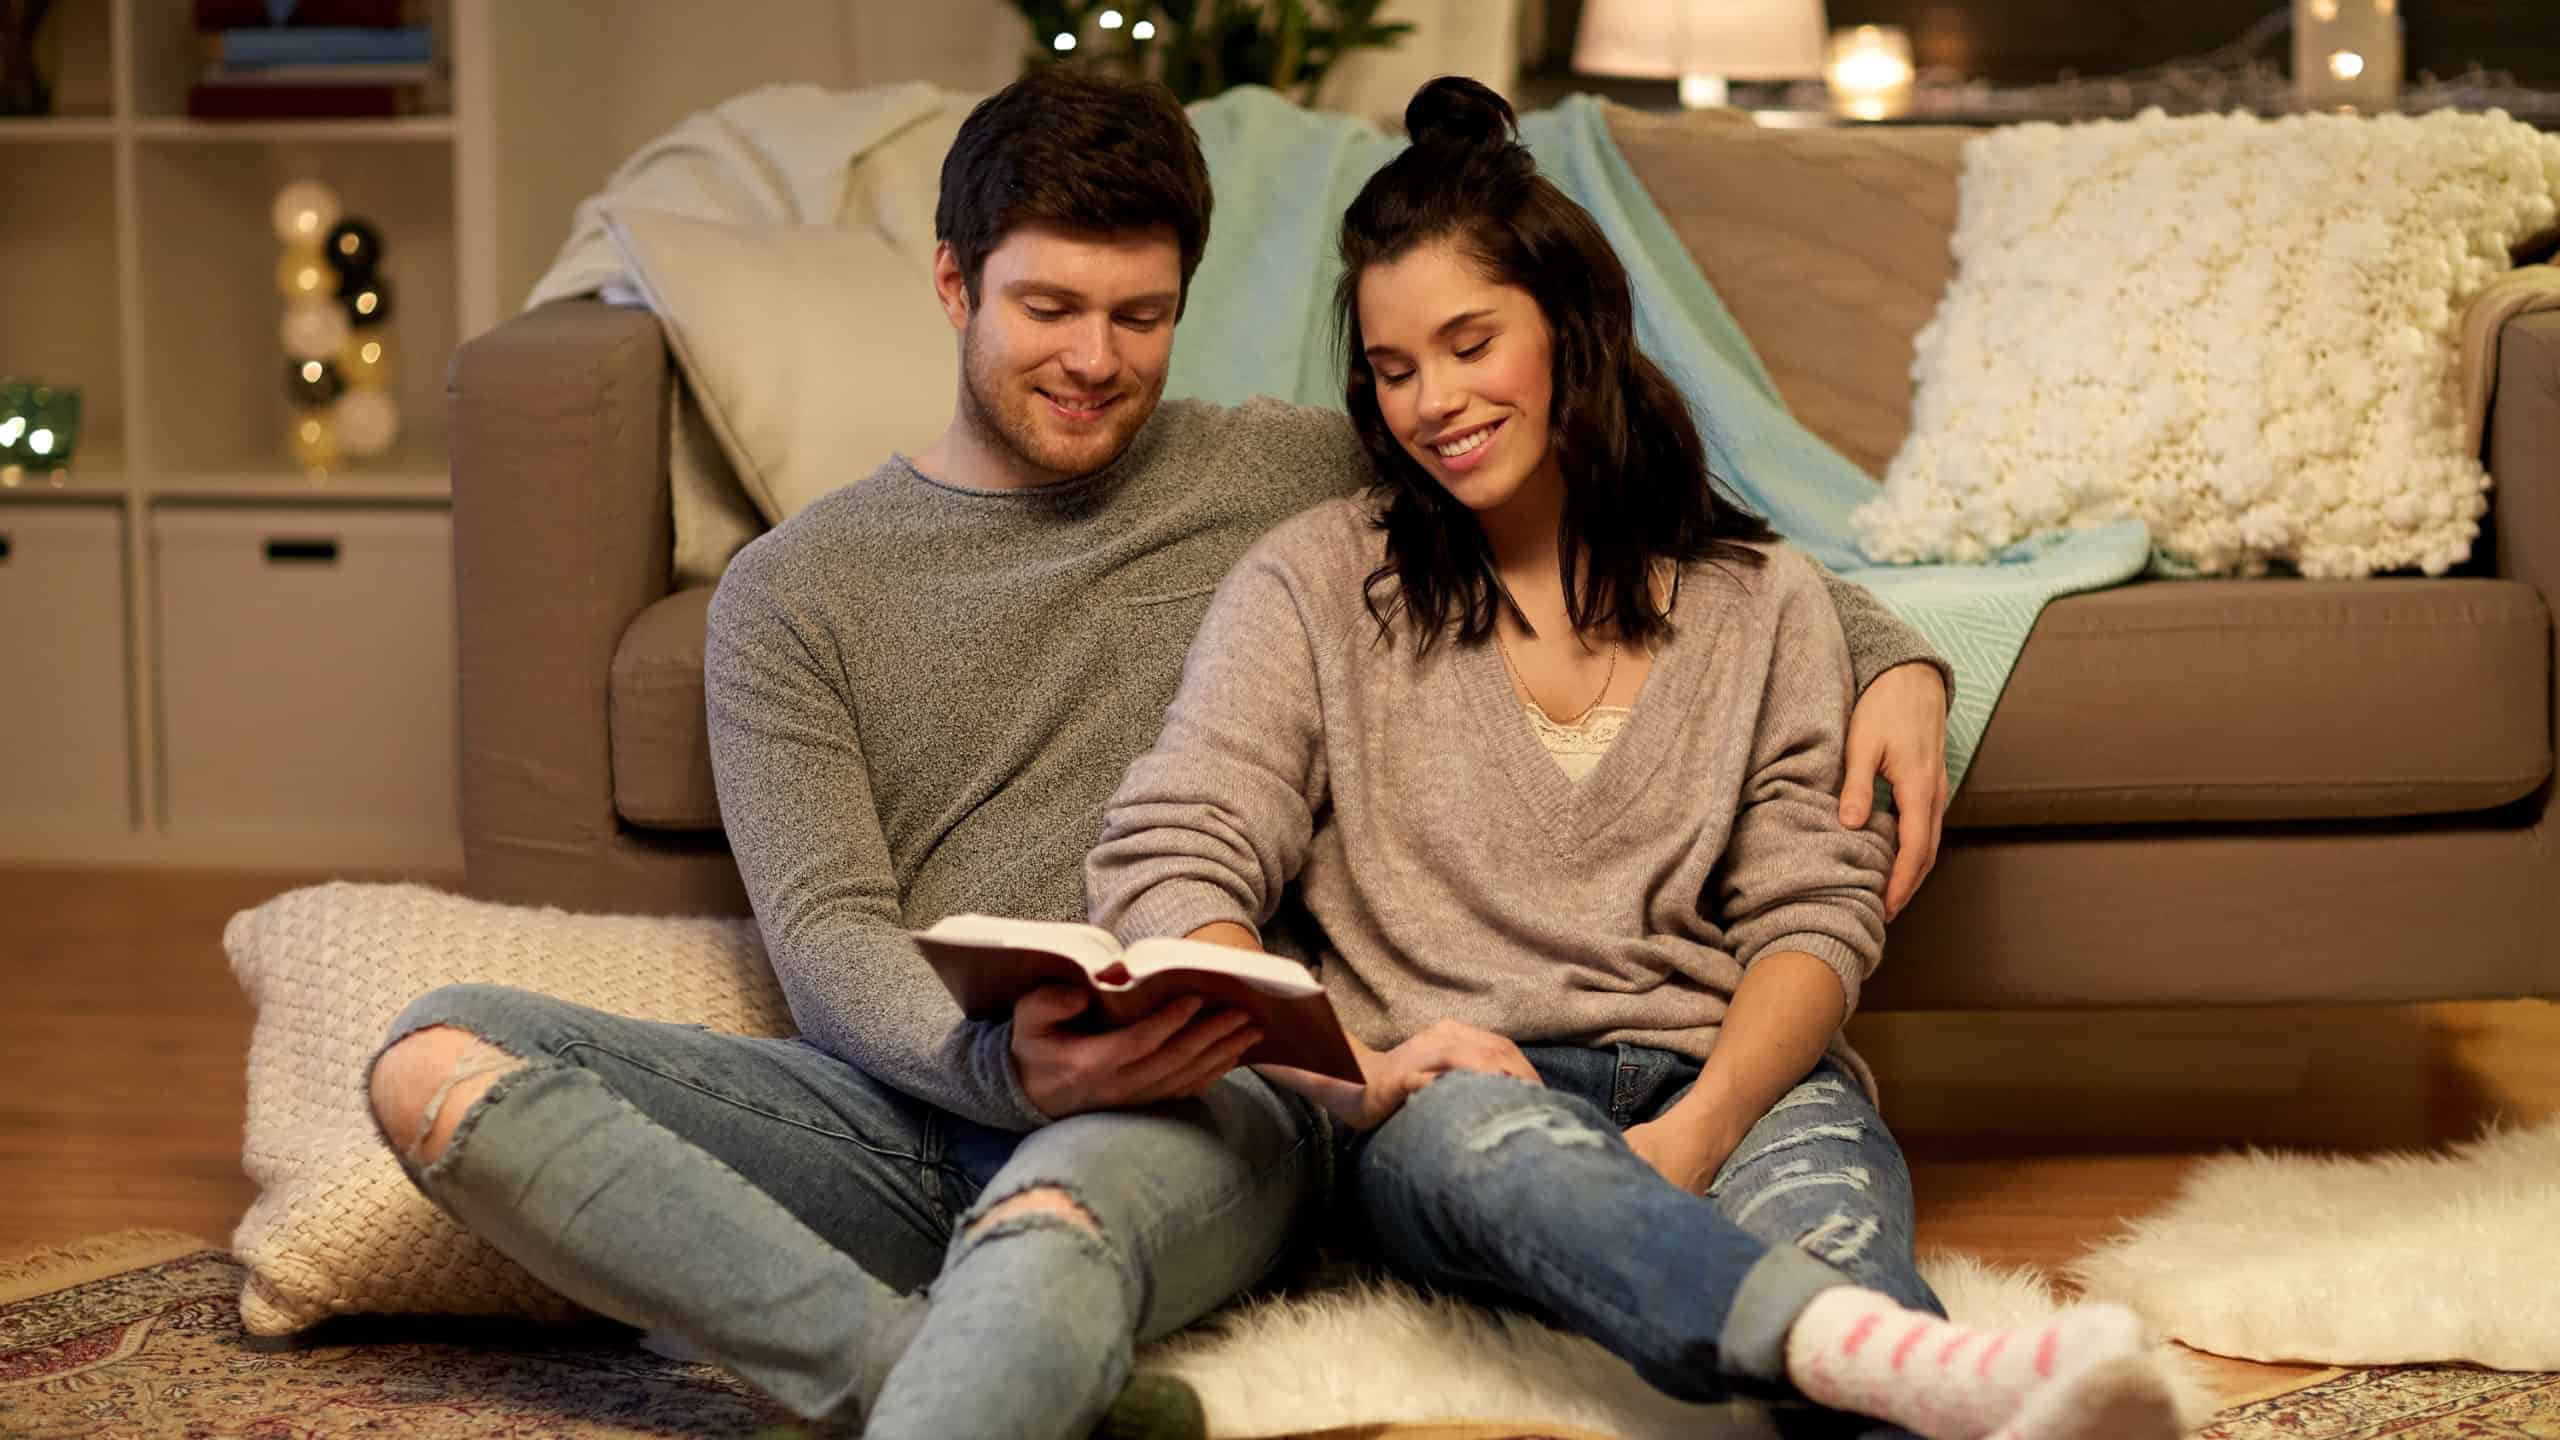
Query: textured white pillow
2244, 332
337, 1228
814, 352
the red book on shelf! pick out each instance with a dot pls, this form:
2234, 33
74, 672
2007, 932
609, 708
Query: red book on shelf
294, 102
244, 14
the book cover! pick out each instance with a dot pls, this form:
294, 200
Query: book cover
321, 45
294, 102
251, 14
291, 75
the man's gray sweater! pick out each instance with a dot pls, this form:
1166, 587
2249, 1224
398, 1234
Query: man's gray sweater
921, 697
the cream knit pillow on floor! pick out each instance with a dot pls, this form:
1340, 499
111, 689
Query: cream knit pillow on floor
337, 1228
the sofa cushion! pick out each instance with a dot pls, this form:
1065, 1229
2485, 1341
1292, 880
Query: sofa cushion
1829, 247
661, 744
800, 342
2229, 700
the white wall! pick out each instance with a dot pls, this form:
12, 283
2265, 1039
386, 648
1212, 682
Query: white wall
1476, 38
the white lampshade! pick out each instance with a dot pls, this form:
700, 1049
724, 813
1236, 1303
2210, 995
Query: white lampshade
1734, 39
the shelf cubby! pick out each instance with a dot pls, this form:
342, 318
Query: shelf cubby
210, 309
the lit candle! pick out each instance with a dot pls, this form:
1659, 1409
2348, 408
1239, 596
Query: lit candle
1869, 73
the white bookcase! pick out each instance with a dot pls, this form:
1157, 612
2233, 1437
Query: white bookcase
211, 656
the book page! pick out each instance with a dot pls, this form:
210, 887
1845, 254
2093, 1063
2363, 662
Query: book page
1270, 973
1088, 945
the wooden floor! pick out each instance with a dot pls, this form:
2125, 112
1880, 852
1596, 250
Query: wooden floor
122, 1083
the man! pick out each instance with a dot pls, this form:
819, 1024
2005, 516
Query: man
922, 690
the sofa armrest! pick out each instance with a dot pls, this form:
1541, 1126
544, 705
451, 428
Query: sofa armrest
2524, 452
563, 532
2524, 456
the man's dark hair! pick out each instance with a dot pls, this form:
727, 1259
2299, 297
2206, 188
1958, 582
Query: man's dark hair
1073, 146
1637, 488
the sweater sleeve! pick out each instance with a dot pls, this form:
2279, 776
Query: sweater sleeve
1215, 821
1793, 878
1878, 639
795, 797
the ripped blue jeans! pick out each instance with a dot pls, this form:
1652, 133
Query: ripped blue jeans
1499, 1191
781, 1212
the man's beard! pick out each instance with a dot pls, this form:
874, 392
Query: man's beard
1005, 416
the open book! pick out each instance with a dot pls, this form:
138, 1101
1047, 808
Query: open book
988, 963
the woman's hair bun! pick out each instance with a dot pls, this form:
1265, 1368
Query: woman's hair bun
1456, 109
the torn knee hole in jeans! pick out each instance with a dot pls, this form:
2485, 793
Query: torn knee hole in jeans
475, 1060
1548, 1122
1840, 1238
1043, 1206
1851, 1131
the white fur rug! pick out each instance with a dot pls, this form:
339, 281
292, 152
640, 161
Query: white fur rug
1280, 1367
2392, 1259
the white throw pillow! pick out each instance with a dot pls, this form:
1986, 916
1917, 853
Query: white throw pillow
337, 1228
2243, 332
814, 352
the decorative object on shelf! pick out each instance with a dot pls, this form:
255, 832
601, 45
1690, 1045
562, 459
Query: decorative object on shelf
313, 61
2347, 54
28, 57
313, 439
368, 423
39, 426
368, 303
365, 361
313, 383
353, 249
1199, 50
1705, 44
305, 212
1869, 74
304, 273
314, 329
338, 354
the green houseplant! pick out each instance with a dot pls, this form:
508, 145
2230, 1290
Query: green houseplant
1201, 47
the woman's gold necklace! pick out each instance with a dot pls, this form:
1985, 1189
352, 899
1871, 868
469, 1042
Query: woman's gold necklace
1522, 681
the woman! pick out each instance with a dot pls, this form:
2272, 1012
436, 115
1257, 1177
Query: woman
1547, 736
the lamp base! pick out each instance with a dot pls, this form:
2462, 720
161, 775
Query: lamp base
1704, 92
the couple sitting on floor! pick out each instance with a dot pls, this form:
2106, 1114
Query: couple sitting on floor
1496, 711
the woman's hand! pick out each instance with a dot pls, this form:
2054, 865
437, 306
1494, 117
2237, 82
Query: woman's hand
1393, 1076
1684, 1150
1900, 728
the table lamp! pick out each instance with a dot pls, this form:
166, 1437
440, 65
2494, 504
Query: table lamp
1702, 43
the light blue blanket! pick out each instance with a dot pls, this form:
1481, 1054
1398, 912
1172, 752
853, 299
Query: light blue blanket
1260, 322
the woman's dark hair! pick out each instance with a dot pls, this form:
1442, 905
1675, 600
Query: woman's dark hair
1637, 489
1073, 146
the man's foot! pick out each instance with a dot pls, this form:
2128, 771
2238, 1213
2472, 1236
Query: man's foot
1154, 1407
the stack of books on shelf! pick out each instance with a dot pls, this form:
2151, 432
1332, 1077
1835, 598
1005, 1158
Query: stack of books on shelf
314, 60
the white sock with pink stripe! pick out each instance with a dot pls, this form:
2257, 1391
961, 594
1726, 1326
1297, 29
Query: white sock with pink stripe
2085, 1374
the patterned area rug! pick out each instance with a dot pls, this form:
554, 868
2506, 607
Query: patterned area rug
137, 1336
2410, 1402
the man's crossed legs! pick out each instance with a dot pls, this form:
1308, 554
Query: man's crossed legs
782, 1212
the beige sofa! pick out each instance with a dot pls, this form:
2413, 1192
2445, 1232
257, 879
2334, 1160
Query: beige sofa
2193, 793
